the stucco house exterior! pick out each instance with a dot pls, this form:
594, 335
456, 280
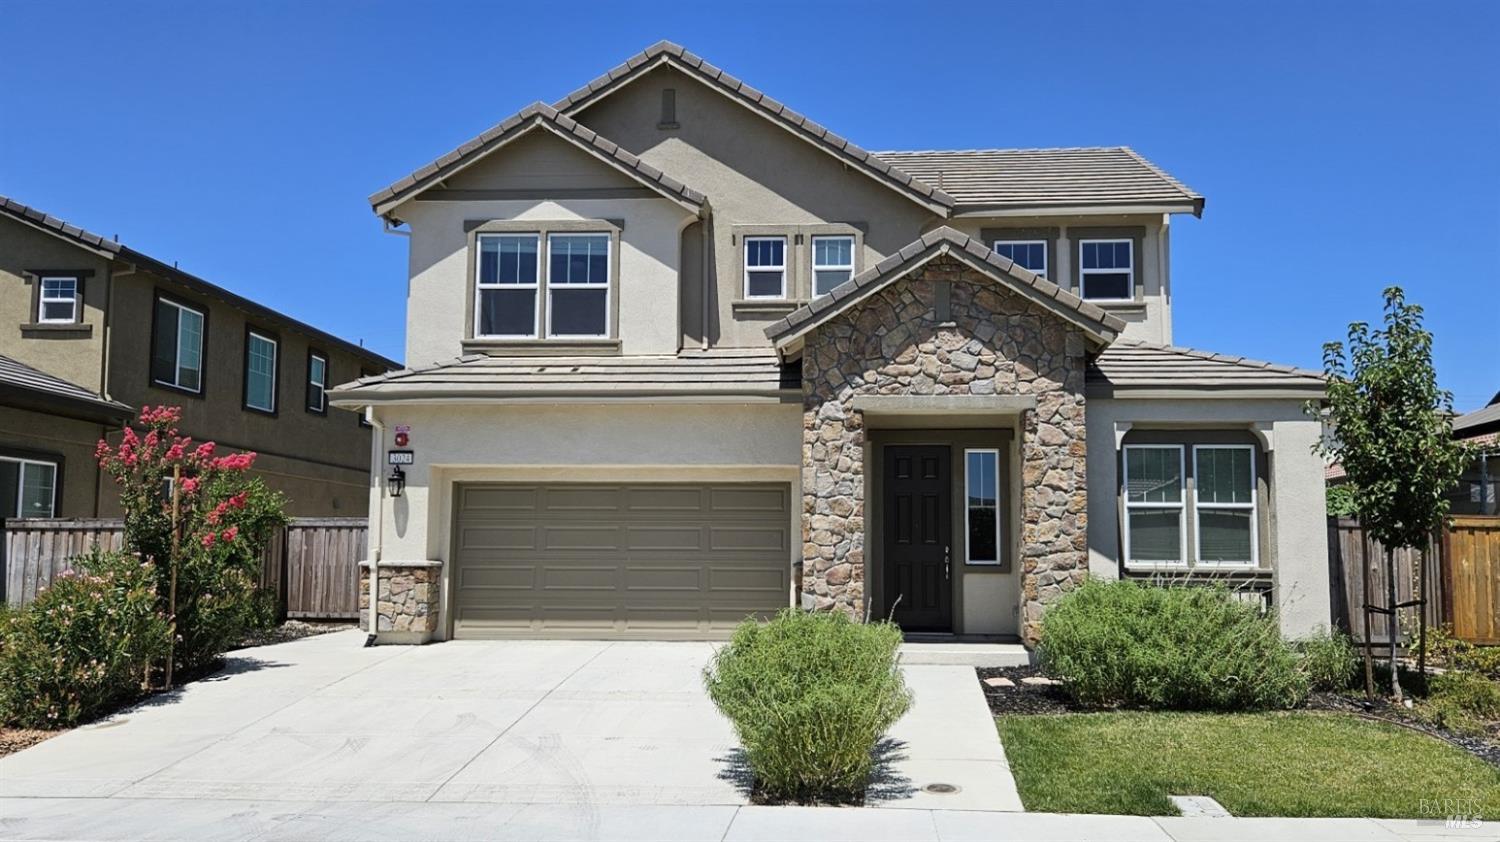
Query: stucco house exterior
678, 355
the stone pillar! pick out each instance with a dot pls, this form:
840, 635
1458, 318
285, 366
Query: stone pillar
408, 606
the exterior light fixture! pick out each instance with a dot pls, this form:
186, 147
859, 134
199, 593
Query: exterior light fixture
395, 482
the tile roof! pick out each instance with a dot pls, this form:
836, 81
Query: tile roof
50, 223
538, 114
17, 375
1131, 364
1478, 418
1090, 317
1032, 178
739, 373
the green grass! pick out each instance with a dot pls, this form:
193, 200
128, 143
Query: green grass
1255, 764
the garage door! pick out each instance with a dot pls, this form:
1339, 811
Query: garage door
627, 561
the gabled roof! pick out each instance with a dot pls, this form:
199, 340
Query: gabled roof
1098, 178
1479, 421
712, 375
1093, 320
33, 389
1133, 367
52, 225
666, 52
534, 116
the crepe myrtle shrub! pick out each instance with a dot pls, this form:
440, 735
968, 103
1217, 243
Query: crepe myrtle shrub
1128, 644
809, 695
225, 518
81, 648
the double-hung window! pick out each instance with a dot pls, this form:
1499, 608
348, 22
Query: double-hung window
317, 382
982, 506
28, 488
1154, 501
260, 372
1224, 500
1106, 270
1028, 254
506, 301
177, 346
58, 301
765, 267
832, 262
577, 285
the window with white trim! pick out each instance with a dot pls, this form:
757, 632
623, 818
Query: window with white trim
982, 506
1028, 254
577, 285
317, 382
260, 372
1155, 526
1224, 505
28, 488
58, 302
1106, 270
832, 262
765, 267
177, 346
506, 303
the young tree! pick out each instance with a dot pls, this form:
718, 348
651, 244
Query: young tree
1393, 435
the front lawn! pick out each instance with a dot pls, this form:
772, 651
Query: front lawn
1260, 764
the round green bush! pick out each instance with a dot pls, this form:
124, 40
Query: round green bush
1329, 660
1126, 644
810, 695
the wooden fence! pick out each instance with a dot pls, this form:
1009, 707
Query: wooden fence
312, 565
1462, 572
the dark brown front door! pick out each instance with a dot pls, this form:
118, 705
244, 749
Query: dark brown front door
917, 537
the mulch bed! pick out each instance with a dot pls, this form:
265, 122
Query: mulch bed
13, 740
1031, 699
292, 630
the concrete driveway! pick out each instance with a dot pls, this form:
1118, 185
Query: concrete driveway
547, 723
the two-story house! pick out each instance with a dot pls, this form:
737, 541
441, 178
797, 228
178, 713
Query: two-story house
92, 330
679, 355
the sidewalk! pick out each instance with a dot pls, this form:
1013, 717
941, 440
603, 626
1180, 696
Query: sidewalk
109, 819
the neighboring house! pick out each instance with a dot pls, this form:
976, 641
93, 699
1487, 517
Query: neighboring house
1478, 491
679, 354
91, 330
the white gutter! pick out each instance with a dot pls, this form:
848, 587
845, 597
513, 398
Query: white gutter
377, 440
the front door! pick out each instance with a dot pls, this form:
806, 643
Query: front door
918, 539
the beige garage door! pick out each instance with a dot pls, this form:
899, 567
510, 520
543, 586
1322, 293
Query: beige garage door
627, 561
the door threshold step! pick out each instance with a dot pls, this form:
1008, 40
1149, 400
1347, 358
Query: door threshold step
947, 653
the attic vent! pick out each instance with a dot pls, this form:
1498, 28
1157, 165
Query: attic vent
668, 109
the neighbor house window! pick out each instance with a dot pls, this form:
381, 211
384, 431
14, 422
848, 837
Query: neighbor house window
982, 507
1224, 503
765, 267
1028, 254
1154, 523
1106, 270
317, 382
260, 372
59, 301
28, 488
578, 285
177, 346
832, 262
506, 302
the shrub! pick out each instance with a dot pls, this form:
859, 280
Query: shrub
1329, 660
1462, 701
83, 645
1188, 648
809, 695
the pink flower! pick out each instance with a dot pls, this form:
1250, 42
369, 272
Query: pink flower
231, 532
190, 485
208, 539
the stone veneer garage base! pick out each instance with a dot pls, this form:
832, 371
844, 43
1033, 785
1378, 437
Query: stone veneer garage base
408, 600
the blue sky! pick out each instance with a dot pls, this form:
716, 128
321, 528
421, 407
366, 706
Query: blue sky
1342, 146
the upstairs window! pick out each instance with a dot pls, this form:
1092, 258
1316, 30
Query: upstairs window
1154, 523
58, 301
177, 346
832, 262
765, 267
317, 382
506, 304
28, 488
260, 372
578, 285
1028, 254
1106, 270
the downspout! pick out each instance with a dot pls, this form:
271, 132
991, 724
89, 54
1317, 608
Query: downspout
377, 439
708, 279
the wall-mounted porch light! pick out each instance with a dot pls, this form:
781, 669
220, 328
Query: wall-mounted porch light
395, 482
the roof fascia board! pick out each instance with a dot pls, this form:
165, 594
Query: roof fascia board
1203, 392
352, 400
981, 212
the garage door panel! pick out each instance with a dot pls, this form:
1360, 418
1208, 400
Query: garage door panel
684, 578
478, 500
665, 498
602, 578
569, 536
509, 577
754, 582
725, 499
732, 538
558, 499
507, 537
664, 537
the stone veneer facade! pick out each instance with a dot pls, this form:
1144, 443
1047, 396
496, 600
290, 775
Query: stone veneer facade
996, 343
408, 600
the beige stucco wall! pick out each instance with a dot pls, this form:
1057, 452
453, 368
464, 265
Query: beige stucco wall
573, 442
75, 356
1298, 551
